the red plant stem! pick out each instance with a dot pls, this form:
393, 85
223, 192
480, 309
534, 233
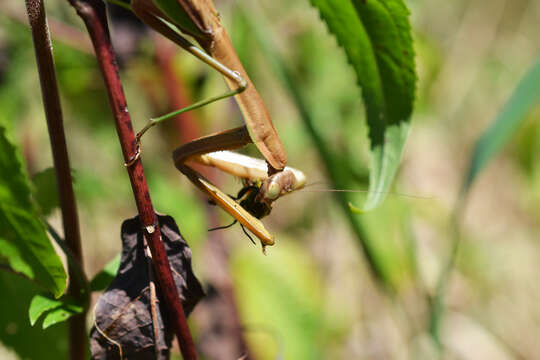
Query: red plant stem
53, 114
93, 14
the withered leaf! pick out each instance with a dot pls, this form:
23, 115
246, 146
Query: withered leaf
130, 320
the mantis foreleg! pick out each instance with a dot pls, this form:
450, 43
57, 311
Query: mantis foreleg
230, 139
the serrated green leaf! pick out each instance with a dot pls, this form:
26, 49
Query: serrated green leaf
46, 190
508, 120
25, 246
102, 279
39, 305
377, 42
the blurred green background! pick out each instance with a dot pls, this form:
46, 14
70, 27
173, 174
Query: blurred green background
314, 296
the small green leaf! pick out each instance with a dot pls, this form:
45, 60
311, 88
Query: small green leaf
24, 245
46, 190
39, 305
55, 310
508, 120
376, 37
105, 276
62, 313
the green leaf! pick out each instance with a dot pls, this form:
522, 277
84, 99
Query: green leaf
16, 333
24, 245
46, 190
62, 313
376, 37
55, 310
102, 279
508, 120
39, 305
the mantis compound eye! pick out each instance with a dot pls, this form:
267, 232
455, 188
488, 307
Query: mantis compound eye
300, 179
273, 191
282, 183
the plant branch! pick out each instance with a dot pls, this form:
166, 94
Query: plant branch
93, 14
53, 113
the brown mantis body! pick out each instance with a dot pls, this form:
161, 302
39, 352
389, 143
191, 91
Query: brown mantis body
266, 180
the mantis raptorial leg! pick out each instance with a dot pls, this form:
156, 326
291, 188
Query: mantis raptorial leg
266, 189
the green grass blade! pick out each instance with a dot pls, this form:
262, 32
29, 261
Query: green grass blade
508, 120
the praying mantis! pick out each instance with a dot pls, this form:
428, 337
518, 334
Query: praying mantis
265, 180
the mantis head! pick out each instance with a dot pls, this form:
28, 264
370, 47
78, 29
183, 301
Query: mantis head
257, 197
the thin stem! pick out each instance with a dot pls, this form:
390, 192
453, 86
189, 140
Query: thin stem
95, 19
53, 114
